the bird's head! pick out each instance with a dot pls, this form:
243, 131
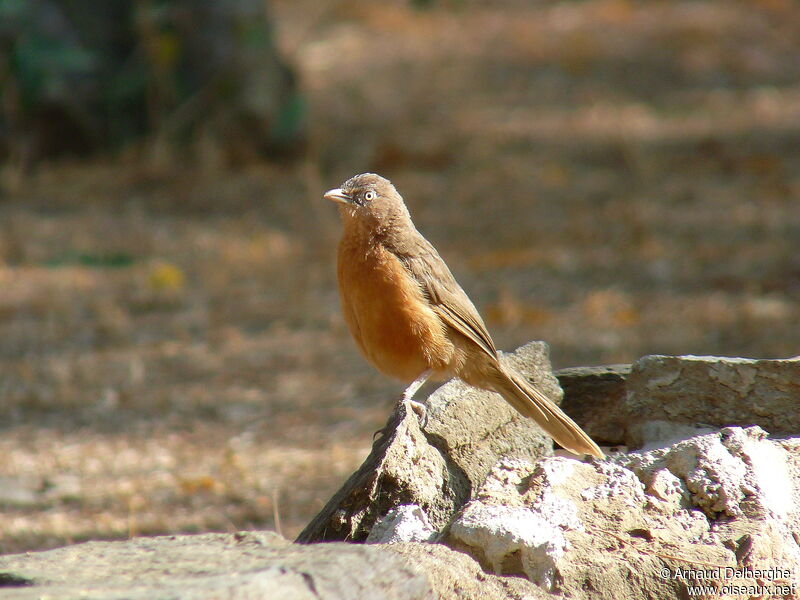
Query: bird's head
369, 199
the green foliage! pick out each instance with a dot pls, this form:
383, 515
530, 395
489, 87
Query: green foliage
291, 119
43, 66
113, 71
108, 260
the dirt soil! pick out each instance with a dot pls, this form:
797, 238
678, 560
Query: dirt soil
617, 178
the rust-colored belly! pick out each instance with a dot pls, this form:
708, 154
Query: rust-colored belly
387, 314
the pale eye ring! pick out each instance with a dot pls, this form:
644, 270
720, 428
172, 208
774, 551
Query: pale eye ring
370, 195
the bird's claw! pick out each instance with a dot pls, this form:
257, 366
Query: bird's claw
420, 410
381, 432
411, 406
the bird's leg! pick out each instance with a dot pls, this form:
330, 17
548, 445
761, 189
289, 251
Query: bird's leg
408, 395
412, 405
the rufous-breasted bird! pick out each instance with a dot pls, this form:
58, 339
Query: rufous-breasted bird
412, 320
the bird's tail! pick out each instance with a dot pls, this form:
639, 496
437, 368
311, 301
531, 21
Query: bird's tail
530, 402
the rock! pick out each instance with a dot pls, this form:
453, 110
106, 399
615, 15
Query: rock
719, 509
467, 432
456, 576
642, 525
696, 504
249, 565
662, 399
594, 397
508, 535
712, 391
407, 523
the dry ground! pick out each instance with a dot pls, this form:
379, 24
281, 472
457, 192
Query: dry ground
615, 177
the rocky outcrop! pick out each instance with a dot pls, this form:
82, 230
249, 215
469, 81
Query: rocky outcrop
437, 468
249, 565
593, 397
669, 396
720, 509
474, 504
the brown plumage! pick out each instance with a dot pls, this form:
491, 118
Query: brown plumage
409, 316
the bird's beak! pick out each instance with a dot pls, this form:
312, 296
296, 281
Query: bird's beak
338, 195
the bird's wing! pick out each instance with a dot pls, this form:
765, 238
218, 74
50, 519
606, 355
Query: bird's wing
447, 298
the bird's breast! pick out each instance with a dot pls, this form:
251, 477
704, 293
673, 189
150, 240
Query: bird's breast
387, 313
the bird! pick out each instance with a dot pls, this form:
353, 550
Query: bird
412, 320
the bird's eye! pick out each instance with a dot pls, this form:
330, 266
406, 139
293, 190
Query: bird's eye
369, 196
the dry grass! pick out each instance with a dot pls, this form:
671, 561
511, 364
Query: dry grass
617, 178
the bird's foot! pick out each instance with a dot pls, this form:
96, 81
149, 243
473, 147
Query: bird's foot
421, 411
381, 432
410, 406
418, 408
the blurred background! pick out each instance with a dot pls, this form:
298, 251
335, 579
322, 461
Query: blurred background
615, 177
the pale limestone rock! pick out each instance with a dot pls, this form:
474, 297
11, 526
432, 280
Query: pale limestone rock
406, 523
